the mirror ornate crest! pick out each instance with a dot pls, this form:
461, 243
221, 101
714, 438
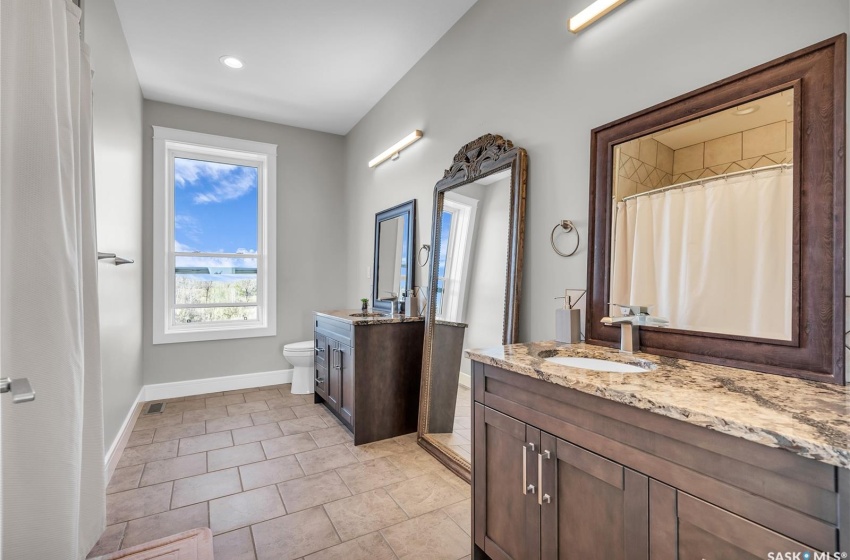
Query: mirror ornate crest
393, 269
724, 210
474, 285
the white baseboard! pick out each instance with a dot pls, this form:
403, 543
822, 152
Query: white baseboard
159, 391
117, 447
465, 380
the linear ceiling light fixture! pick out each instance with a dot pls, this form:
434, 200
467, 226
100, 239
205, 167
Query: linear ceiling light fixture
592, 13
392, 151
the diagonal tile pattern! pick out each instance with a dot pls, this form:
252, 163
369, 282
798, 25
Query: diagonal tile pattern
276, 476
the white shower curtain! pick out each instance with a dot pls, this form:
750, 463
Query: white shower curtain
52, 448
715, 257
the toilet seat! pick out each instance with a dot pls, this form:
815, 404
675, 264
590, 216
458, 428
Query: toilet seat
304, 347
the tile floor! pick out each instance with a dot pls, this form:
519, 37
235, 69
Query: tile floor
277, 477
460, 440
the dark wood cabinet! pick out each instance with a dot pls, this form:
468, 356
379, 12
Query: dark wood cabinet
685, 527
508, 522
345, 361
559, 474
590, 507
375, 367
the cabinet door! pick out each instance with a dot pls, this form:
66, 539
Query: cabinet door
590, 507
505, 513
686, 528
346, 395
334, 369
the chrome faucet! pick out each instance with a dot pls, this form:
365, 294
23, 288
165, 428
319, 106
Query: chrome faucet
629, 323
393, 299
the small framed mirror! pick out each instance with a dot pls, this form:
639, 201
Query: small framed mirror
392, 275
474, 285
722, 211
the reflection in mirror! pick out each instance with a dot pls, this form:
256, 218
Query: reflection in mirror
470, 298
392, 259
393, 270
703, 223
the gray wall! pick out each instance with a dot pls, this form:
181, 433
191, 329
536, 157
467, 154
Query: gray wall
118, 183
511, 68
311, 232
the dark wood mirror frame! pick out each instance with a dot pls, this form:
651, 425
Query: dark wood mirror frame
817, 75
404, 209
484, 156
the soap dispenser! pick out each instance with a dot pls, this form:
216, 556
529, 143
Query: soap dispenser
568, 322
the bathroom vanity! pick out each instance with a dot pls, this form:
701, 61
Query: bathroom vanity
685, 460
370, 364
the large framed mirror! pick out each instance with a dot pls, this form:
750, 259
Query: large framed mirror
722, 211
474, 285
392, 275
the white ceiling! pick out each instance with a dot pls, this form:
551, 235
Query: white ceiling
776, 107
317, 64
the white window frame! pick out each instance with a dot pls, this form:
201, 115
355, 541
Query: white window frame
169, 143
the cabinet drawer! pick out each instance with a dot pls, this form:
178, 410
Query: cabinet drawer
322, 381
340, 331
320, 342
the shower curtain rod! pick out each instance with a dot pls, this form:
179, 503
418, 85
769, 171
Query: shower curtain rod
713, 177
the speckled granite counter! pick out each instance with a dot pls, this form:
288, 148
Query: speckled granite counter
805, 417
346, 315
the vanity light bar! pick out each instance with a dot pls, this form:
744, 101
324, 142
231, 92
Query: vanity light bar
592, 13
393, 150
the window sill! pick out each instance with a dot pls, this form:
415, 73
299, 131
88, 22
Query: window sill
221, 333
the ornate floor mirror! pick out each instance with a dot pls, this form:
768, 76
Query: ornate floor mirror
474, 282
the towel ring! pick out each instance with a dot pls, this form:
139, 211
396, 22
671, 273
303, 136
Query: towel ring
567, 226
427, 255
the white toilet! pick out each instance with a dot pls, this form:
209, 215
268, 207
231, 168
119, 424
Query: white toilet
300, 355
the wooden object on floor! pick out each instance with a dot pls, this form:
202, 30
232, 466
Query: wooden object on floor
374, 368
196, 544
445, 375
603, 479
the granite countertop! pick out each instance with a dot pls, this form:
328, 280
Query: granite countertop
345, 315
450, 323
808, 418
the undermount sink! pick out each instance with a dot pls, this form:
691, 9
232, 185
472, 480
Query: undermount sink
367, 315
596, 365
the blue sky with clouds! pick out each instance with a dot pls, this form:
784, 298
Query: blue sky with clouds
215, 207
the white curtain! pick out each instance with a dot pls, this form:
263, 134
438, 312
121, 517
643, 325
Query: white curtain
715, 257
52, 448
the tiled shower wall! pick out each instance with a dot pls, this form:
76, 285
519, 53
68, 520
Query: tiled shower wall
646, 164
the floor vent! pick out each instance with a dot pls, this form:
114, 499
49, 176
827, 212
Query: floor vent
155, 408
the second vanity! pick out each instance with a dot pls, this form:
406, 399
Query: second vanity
685, 460
368, 370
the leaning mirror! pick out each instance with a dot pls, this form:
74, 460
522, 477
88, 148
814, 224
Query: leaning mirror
474, 285
393, 270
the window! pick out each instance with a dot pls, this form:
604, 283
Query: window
456, 238
214, 237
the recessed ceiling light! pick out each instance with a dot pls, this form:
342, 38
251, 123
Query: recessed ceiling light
231, 61
748, 110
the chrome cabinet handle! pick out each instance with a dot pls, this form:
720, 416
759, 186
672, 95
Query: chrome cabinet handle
20, 388
526, 488
541, 497
338, 364
320, 350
